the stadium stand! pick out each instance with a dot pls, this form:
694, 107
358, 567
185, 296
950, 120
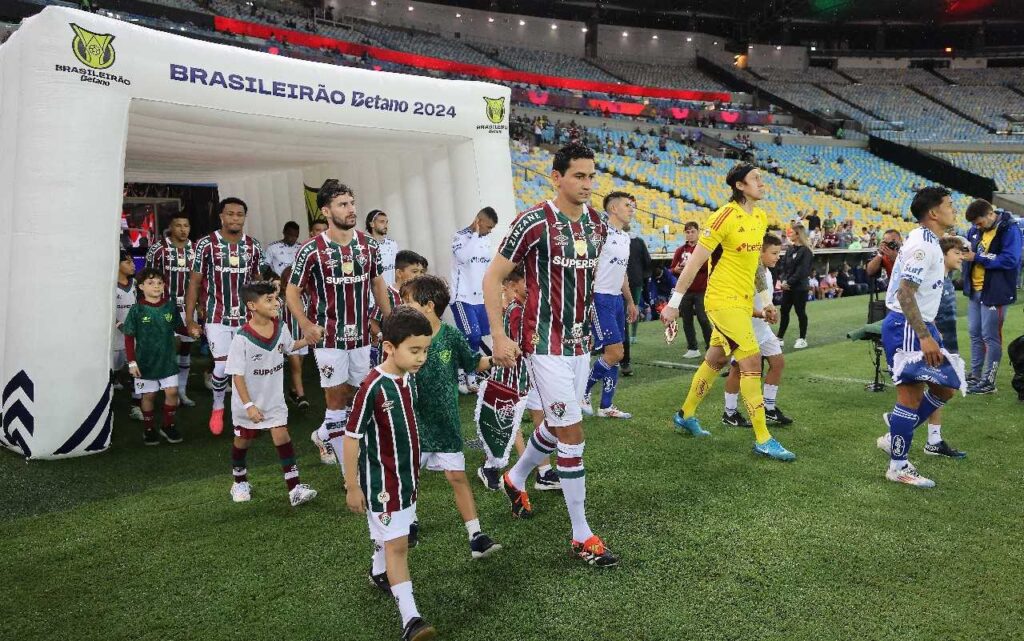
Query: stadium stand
989, 104
675, 76
1006, 169
551, 64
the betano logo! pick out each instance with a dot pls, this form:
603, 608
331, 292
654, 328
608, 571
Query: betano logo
93, 49
495, 109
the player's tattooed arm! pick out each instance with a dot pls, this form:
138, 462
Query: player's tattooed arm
760, 282
907, 296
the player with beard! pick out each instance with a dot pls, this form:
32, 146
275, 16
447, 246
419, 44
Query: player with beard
336, 270
377, 227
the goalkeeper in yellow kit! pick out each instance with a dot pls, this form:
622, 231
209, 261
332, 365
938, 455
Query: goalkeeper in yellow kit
738, 228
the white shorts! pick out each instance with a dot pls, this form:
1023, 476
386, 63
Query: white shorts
339, 366
219, 337
560, 382
149, 386
118, 359
443, 461
533, 399
396, 526
766, 339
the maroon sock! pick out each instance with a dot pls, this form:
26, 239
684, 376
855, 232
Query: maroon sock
238, 464
291, 472
169, 412
147, 420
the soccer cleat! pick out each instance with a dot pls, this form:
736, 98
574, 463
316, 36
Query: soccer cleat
547, 481
301, 402
800, 344
414, 534
626, 370
982, 386
380, 581
884, 443
292, 396
632, 340
241, 492
942, 448
776, 417
463, 389
594, 552
418, 630
586, 407
691, 353
149, 437
135, 413
521, 508
909, 476
490, 477
300, 494
327, 456
216, 422
171, 434
690, 425
735, 419
773, 449
208, 380
481, 546
612, 412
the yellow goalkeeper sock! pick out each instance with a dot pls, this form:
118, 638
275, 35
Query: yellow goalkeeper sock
701, 384
750, 389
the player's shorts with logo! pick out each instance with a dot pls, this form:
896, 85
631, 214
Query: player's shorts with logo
557, 385
898, 335
472, 321
151, 385
388, 526
732, 330
443, 461
219, 337
608, 319
340, 366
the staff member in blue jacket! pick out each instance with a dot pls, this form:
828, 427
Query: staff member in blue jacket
991, 271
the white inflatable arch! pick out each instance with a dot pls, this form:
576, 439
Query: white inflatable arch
88, 103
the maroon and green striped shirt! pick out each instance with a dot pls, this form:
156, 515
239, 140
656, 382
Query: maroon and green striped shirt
226, 267
176, 266
561, 258
338, 280
383, 418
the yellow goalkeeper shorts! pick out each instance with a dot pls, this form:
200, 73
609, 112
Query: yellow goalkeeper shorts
732, 329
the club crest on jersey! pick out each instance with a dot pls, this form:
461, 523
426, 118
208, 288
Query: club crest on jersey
350, 331
445, 356
384, 497
557, 408
361, 259
280, 348
235, 312
577, 330
327, 371
168, 317
707, 233
385, 518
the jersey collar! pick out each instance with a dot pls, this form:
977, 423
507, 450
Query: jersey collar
260, 341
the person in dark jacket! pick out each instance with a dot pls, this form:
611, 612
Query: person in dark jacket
796, 268
638, 272
692, 306
991, 271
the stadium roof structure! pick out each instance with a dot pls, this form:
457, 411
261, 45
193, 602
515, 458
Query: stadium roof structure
87, 102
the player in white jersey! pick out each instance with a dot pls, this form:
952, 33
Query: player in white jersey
925, 374
769, 344
613, 305
471, 255
281, 253
124, 298
387, 248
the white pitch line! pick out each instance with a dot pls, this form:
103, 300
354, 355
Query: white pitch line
840, 379
674, 365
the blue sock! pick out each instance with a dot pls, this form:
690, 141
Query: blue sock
598, 373
608, 387
902, 422
928, 406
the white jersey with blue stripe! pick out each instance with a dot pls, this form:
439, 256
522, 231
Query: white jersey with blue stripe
611, 266
471, 255
920, 261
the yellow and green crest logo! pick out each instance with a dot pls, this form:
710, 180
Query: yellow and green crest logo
495, 109
93, 49
446, 356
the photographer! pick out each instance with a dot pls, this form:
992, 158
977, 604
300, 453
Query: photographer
793, 275
886, 256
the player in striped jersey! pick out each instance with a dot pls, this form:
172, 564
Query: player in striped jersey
559, 241
382, 459
225, 261
297, 393
337, 270
172, 256
738, 228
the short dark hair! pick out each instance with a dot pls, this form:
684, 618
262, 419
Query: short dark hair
148, 273
977, 209
403, 322
319, 221
232, 201
373, 213
614, 196
428, 288
947, 243
180, 214
567, 154
892, 231
691, 224
517, 274
291, 224
331, 189
252, 292
491, 214
926, 199
770, 239
408, 257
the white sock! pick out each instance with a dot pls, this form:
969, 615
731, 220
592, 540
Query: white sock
934, 434
331, 416
379, 564
895, 466
770, 392
574, 490
184, 364
406, 604
533, 455
220, 384
473, 528
731, 402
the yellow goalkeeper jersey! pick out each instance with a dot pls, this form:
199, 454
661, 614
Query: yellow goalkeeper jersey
731, 283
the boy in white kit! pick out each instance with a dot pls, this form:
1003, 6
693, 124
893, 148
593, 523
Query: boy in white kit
256, 367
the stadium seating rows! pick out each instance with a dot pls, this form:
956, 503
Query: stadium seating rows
1006, 169
675, 76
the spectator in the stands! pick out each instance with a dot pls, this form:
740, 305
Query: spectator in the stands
794, 272
813, 221
846, 281
840, 186
845, 235
854, 185
831, 186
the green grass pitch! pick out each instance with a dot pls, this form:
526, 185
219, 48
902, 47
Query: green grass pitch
145, 543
